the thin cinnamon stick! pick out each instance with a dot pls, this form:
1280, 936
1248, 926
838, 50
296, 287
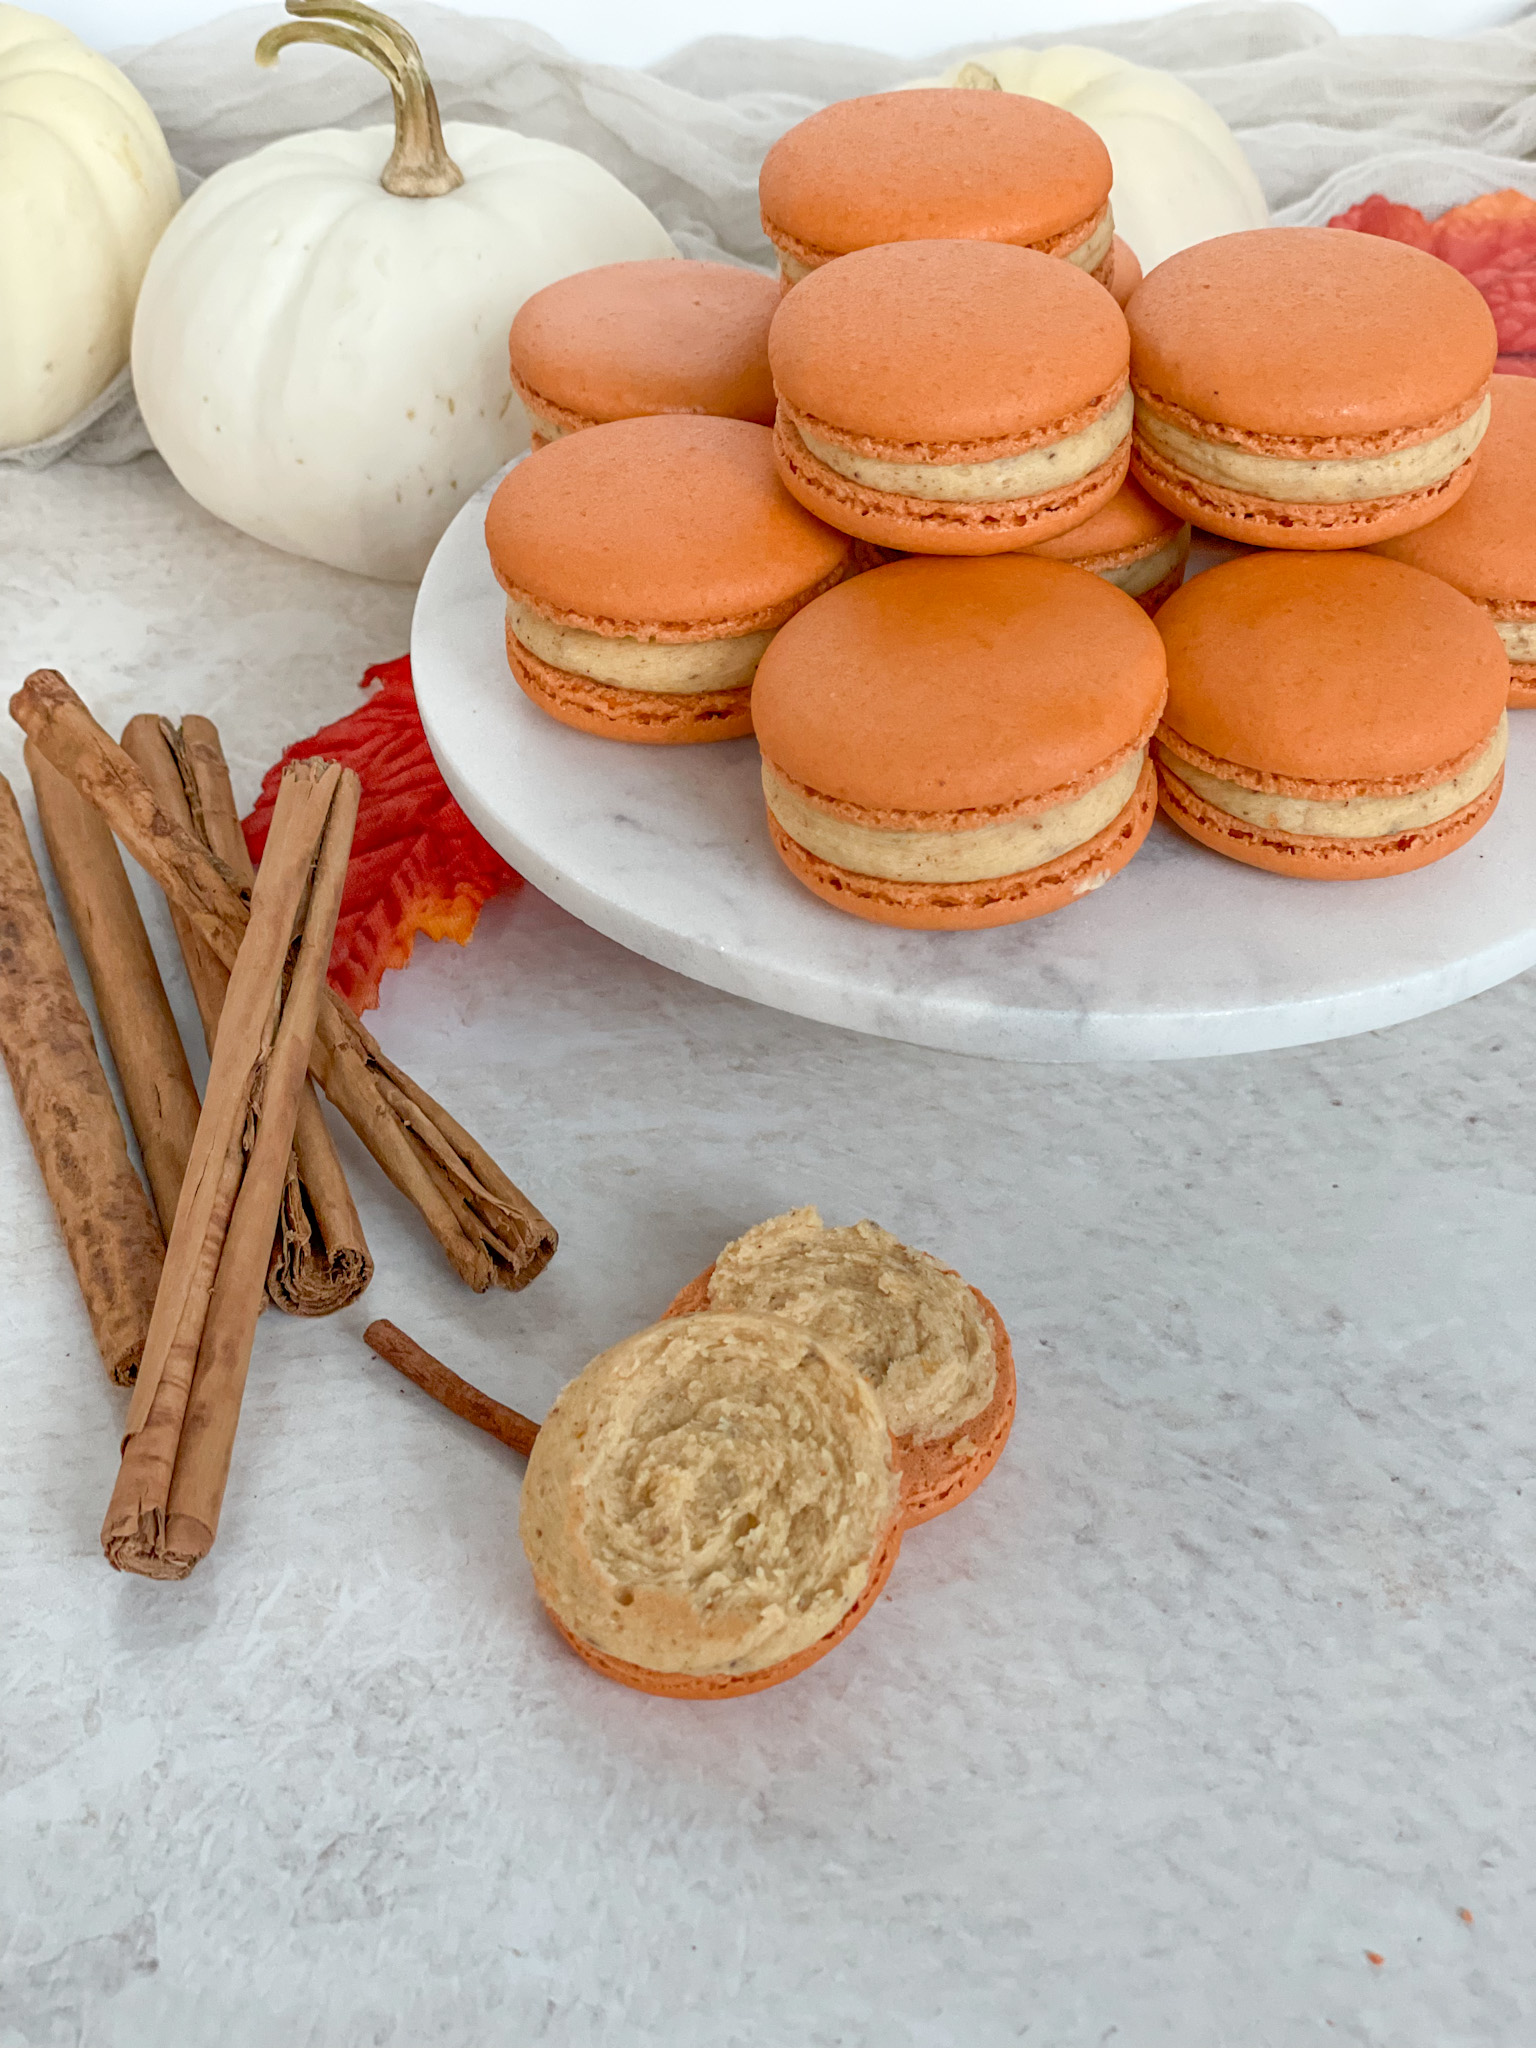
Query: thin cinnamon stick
164, 1511
130, 996
109, 1228
320, 1258
492, 1234
445, 1385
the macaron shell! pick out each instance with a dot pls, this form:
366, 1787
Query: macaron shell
1341, 671
923, 344
1124, 273
978, 906
1129, 520
682, 1685
628, 339
1319, 859
652, 718
1153, 600
1311, 331
937, 163
941, 686
1276, 523
1522, 685
935, 1477
1486, 543
666, 525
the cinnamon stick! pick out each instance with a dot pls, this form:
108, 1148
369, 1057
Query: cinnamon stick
109, 1228
492, 1234
130, 996
445, 1385
164, 1511
320, 1258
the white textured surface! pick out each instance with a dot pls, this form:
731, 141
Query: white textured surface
1222, 1680
1181, 954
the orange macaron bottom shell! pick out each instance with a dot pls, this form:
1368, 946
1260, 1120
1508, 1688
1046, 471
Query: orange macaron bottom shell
933, 526
1522, 685
979, 906
720, 1685
653, 718
1151, 601
1280, 523
1320, 859
937, 1476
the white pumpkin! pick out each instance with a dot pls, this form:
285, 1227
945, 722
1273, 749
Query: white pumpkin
1180, 175
86, 187
320, 356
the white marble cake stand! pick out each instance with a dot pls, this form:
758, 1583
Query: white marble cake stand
665, 850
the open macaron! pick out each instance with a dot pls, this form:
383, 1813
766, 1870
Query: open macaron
711, 1506
1308, 387
949, 745
647, 565
951, 397
935, 164
1132, 542
628, 339
933, 1350
1330, 716
1486, 544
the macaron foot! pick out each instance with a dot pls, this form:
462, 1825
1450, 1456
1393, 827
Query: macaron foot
1522, 685
654, 718
1318, 859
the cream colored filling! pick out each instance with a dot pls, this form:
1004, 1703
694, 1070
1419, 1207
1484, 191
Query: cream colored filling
709, 1495
1353, 817
977, 854
548, 428
1048, 467
1340, 480
1138, 577
1088, 256
914, 1329
1519, 637
631, 664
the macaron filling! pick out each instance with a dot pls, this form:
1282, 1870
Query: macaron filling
1049, 466
1362, 816
1137, 572
1337, 479
628, 662
974, 853
1519, 637
709, 1496
913, 1329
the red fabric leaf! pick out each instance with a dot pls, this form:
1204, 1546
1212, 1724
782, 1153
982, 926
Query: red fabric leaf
417, 864
1491, 241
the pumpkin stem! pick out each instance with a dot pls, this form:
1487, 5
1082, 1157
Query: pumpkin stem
419, 166
977, 78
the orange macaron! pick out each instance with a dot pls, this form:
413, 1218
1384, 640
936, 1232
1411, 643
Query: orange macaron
1132, 542
627, 339
711, 1506
647, 565
1486, 544
936, 164
950, 745
1330, 716
1308, 387
963, 398
933, 1349
1124, 272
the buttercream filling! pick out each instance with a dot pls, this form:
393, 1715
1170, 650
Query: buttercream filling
1051, 466
1353, 817
1135, 578
550, 429
631, 664
979, 853
1087, 255
1338, 480
1519, 637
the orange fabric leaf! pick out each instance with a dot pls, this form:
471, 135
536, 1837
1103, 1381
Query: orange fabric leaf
417, 864
1491, 241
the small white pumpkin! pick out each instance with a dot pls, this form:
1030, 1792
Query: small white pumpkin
320, 353
86, 188
1180, 175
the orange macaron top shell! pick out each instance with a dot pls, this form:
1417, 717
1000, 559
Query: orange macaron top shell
1125, 272
925, 351
1329, 676
672, 528
1130, 523
651, 337
1317, 333
935, 163
944, 687
1486, 543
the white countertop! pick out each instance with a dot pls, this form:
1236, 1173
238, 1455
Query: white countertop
1221, 1682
